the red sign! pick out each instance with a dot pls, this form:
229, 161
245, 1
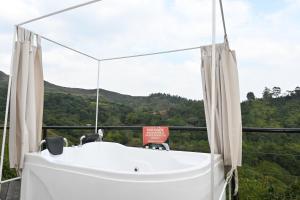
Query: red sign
155, 134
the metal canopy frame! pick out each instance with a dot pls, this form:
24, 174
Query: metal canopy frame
99, 60
126, 56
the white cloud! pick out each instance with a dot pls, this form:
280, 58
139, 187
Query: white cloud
5, 51
268, 49
266, 43
17, 10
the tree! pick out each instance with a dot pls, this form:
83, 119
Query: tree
290, 92
297, 91
276, 91
250, 96
267, 94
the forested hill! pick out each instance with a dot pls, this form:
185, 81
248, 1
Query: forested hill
270, 161
74, 106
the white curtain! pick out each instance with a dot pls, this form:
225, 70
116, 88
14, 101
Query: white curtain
27, 97
228, 123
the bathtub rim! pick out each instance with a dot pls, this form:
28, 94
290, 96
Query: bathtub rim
38, 159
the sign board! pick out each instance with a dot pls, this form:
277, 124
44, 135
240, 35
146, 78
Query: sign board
155, 134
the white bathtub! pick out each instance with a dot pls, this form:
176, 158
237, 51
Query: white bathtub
110, 171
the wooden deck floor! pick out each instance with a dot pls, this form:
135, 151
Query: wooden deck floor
11, 190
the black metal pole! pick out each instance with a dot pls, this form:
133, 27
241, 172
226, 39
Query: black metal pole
44, 132
171, 128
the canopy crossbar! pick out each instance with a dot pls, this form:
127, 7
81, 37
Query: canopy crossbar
223, 20
69, 48
150, 54
58, 12
120, 57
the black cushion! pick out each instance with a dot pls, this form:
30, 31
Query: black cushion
55, 145
90, 138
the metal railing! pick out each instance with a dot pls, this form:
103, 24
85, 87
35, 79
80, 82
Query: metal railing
171, 128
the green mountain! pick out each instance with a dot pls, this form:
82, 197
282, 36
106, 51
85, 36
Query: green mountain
75, 106
271, 162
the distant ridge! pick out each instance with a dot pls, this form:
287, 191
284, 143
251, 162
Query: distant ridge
52, 88
105, 95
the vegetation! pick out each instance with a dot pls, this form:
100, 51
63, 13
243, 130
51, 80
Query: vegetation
271, 162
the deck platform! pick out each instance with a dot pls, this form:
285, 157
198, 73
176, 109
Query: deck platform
10, 190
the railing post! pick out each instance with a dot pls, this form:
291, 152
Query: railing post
44, 137
44, 133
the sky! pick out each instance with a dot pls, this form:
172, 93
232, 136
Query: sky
265, 35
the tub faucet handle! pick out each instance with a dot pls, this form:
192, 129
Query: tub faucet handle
41, 145
81, 139
101, 134
166, 146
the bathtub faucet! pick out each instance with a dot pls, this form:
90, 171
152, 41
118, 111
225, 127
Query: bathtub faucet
98, 137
